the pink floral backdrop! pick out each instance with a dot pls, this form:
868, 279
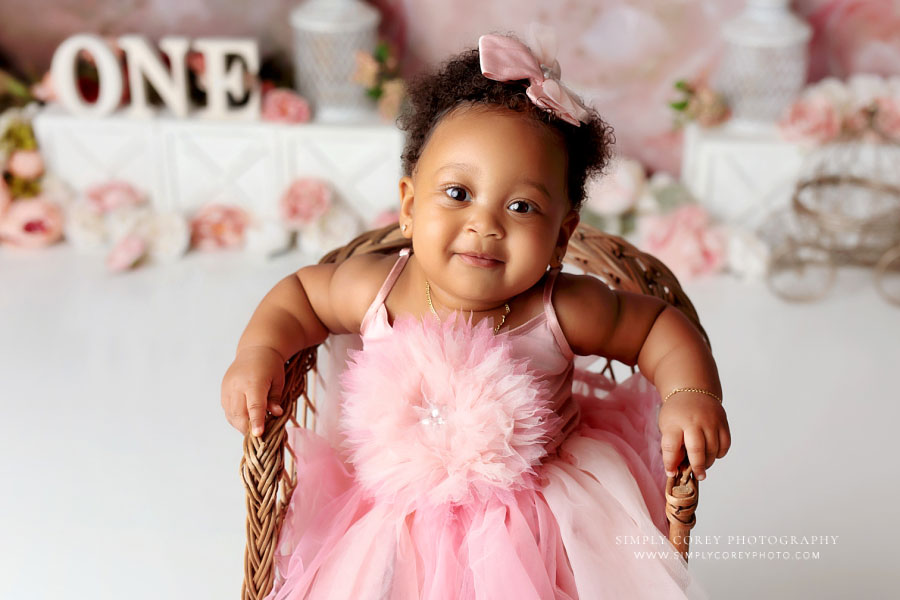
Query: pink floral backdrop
622, 55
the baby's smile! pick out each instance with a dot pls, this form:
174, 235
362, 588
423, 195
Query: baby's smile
479, 261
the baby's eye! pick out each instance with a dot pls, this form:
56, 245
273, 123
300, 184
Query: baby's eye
456, 192
524, 207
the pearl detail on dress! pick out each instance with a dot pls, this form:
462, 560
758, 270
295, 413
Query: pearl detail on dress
436, 418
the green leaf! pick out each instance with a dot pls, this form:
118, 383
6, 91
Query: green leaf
23, 188
682, 85
629, 222
680, 105
382, 52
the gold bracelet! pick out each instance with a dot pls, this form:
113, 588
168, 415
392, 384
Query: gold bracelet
692, 390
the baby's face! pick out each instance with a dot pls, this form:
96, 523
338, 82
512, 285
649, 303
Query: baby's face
488, 182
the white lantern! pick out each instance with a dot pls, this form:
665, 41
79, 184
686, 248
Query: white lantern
764, 65
327, 36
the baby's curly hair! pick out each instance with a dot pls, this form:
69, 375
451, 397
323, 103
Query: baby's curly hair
459, 82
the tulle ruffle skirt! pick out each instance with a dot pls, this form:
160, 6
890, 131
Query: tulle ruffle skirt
594, 528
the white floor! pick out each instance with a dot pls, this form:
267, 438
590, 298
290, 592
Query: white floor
120, 472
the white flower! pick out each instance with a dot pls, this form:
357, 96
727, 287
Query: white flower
84, 228
335, 228
266, 237
865, 88
169, 236
893, 86
619, 190
748, 256
127, 220
835, 91
55, 189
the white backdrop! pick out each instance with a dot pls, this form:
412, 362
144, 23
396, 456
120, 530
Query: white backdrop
121, 477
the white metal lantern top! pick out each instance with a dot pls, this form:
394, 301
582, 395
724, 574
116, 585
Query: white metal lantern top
334, 16
767, 23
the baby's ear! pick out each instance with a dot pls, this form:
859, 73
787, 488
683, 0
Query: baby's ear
567, 228
407, 198
407, 194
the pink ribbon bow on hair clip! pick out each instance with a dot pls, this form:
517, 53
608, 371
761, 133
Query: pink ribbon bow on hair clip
506, 59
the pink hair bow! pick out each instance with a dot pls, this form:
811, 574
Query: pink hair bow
506, 59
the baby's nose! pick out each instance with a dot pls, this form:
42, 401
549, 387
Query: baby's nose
485, 223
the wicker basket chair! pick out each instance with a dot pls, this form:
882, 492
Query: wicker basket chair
267, 466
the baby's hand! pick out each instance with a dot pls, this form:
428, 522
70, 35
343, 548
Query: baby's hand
698, 423
252, 384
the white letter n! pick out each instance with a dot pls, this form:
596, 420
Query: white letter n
144, 62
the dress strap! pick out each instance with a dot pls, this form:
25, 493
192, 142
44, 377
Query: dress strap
552, 321
385, 287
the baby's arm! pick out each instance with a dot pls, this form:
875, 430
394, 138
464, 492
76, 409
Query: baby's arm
300, 311
649, 332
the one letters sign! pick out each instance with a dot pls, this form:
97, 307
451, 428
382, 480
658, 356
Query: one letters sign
145, 65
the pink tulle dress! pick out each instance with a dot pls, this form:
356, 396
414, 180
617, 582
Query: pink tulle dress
460, 464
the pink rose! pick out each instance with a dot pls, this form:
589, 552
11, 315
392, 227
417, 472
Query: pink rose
305, 200
26, 164
385, 218
31, 223
111, 195
5, 196
683, 241
126, 253
812, 119
886, 120
217, 226
284, 105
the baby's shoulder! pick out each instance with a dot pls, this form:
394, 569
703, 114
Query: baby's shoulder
356, 282
587, 310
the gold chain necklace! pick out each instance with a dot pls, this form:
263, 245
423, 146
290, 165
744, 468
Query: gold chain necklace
431, 306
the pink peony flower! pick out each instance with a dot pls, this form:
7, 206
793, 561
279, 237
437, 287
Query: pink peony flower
26, 164
31, 223
286, 106
812, 119
126, 253
305, 201
216, 226
111, 195
684, 241
443, 413
5, 196
619, 190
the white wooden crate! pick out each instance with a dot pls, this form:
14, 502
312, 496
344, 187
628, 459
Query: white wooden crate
740, 175
184, 163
